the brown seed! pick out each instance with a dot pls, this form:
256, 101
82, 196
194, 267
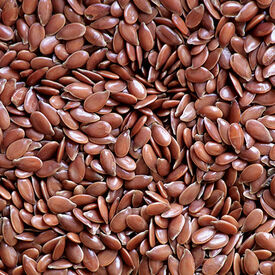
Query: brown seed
136, 223
257, 130
5, 118
253, 220
247, 12
159, 253
226, 33
251, 262
173, 6
145, 37
225, 227
160, 135
8, 255
187, 264
18, 148
122, 144
60, 204
55, 24
96, 101
213, 265
41, 123
189, 194
90, 259
167, 35
6, 33
236, 136
241, 66
71, 31
105, 22
218, 241
28, 163
251, 173
198, 75
203, 235
194, 17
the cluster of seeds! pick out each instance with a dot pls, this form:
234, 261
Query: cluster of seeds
137, 137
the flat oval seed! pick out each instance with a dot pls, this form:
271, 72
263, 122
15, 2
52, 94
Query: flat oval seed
253, 220
96, 101
59, 204
160, 135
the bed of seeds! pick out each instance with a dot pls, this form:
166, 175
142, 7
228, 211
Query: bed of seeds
137, 137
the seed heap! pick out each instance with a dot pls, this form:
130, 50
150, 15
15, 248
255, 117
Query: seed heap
137, 137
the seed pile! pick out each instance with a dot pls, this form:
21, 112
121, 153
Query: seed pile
137, 137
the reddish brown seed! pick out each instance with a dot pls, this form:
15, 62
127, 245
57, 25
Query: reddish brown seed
71, 31
251, 173
240, 65
41, 123
194, 17
253, 220
95, 102
236, 136
203, 235
160, 252
60, 204
187, 264
124, 149
226, 33
122, 144
160, 135
136, 223
198, 75
76, 60
225, 227
180, 24
6, 33
5, 118
8, 255
28, 163
55, 24
167, 35
258, 131
213, 265
251, 262
137, 89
